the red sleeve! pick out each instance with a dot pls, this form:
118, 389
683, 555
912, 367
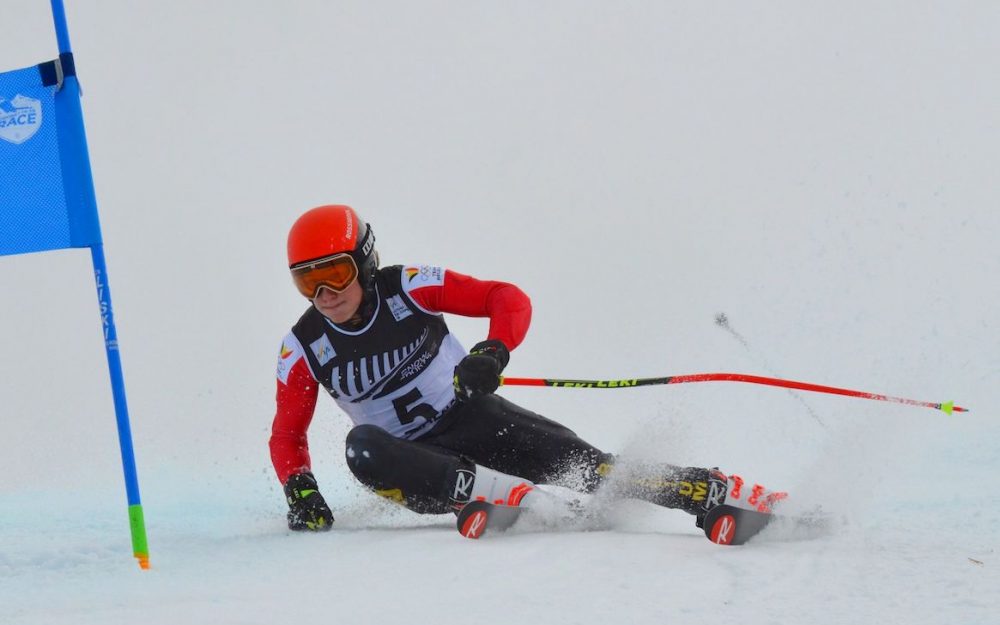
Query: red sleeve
507, 306
296, 402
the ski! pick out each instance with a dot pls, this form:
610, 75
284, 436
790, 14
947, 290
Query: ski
545, 512
723, 525
729, 525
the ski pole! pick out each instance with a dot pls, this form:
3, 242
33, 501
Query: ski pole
946, 407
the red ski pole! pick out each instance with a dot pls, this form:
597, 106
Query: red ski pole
946, 407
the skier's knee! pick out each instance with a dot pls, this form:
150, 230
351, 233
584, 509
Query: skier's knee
404, 472
367, 435
365, 444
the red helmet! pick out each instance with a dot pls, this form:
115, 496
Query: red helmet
326, 231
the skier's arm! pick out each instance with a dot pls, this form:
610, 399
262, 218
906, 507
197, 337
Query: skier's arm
296, 401
507, 306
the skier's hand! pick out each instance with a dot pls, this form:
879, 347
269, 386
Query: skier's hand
307, 510
479, 372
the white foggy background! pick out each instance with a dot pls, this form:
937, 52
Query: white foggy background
822, 173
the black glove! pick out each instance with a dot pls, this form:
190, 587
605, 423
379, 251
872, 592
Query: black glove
307, 510
479, 372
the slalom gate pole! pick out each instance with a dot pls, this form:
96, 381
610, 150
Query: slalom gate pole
136, 518
82, 183
946, 407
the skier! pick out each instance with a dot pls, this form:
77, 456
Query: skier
429, 433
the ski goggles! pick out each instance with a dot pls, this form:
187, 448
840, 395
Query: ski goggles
335, 272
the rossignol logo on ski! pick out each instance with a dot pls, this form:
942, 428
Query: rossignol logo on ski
475, 525
20, 118
594, 383
723, 530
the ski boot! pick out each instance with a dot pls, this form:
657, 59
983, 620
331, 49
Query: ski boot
734, 491
485, 484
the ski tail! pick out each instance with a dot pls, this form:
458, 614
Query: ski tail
472, 524
478, 516
730, 525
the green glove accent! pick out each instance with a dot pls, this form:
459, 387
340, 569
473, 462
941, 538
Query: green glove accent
307, 510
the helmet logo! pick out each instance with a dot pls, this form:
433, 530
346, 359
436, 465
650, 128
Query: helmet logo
350, 225
368, 244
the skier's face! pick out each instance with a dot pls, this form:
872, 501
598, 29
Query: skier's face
339, 307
